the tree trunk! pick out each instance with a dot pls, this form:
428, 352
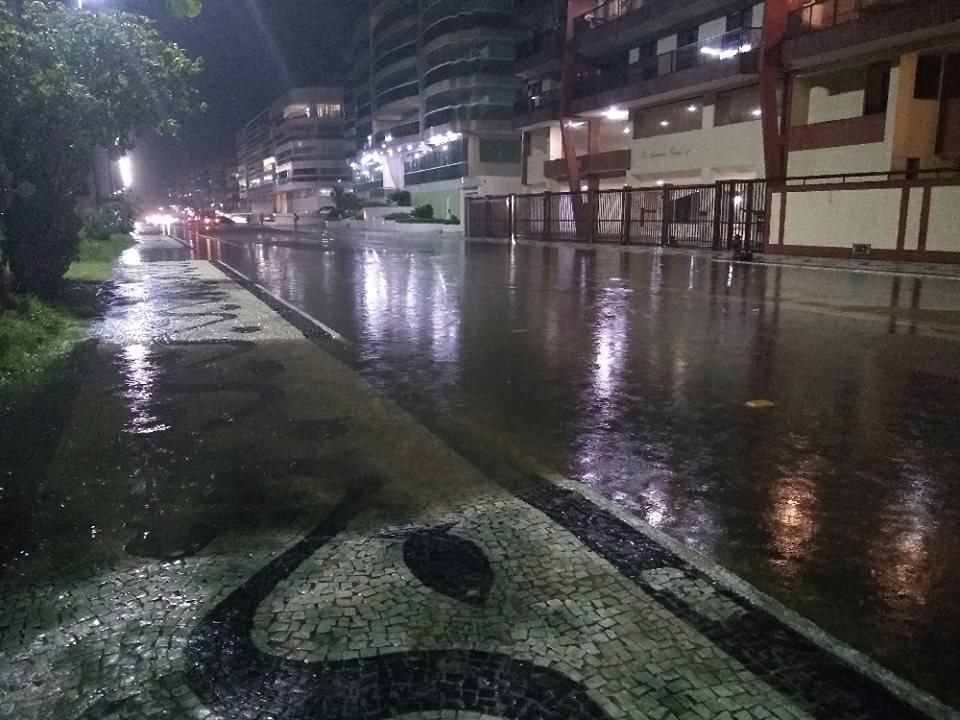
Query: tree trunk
4, 287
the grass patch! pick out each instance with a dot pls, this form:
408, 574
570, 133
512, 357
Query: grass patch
96, 258
32, 336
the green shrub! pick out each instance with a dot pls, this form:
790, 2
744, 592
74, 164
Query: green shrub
423, 212
110, 218
399, 197
41, 240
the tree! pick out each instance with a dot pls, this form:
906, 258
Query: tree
72, 82
347, 205
184, 8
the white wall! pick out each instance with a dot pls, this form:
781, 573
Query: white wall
943, 232
873, 157
699, 155
837, 218
535, 168
825, 107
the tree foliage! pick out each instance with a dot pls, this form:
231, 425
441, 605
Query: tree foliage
184, 8
72, 82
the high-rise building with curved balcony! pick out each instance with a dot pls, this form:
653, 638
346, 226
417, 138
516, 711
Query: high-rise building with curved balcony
430, 94
294, 153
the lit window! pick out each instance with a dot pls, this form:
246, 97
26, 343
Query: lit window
666, 119
737, 106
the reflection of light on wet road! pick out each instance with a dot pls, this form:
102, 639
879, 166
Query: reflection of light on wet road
900, 551
375, 299
445, 312
130, 256
139, 378
611, 344
794, 518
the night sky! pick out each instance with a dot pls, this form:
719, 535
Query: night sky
253, 50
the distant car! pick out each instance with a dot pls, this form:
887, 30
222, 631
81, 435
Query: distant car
143, 227
210, 218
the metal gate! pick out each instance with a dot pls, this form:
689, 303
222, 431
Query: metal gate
741, 213
489, 216
722, 215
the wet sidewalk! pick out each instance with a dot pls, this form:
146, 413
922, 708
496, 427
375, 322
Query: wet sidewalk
233, 525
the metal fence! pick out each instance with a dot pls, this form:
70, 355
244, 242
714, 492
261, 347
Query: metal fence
720, 216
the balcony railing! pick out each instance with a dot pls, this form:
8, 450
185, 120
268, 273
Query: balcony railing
838, 133
610, 163
605, 12
823, 14
547, 100
727, 46
398, 131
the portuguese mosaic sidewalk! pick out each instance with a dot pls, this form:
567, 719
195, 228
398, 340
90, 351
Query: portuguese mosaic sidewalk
248, 531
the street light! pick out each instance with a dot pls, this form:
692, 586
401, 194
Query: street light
125, 165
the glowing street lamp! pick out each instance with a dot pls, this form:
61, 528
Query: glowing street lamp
125, 166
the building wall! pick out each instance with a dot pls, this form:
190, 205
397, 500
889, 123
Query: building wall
860, 158
445, 194
873, 157
831, 221
943, 231
915, 133
445, 200
836, 218
713, 153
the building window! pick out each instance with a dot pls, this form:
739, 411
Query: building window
927, 82
738, 20
951, 77
667, 119
687, 50
737, 106
329, 110
876, 90
445, 162
495, 150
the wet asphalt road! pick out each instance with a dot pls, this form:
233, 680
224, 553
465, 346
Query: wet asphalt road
630, 372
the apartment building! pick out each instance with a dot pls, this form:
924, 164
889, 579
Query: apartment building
872, 85
293, 153
654, 92
431, 89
